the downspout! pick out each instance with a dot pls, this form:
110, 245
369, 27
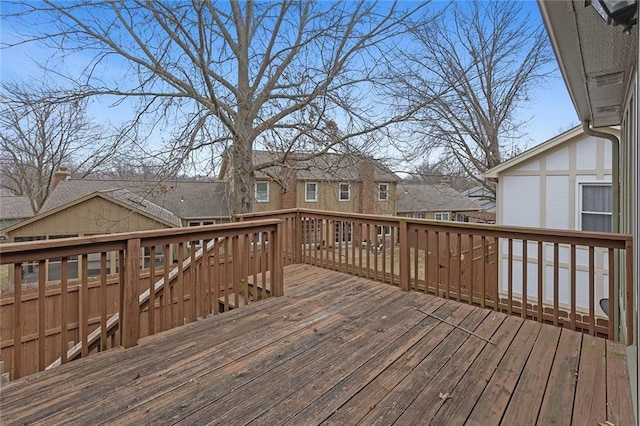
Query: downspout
615, 172
615, 213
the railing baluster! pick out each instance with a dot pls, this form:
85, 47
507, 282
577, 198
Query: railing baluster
42, 283
540, 286
17, 321
447, 247
556, 283
612, 302
103, 302
416, 258
459, 287
245, 271
437, 265
165, 312
181, 257
193, 281
573, 286
426, 261
470, 270
525, 264
152, 289
83, 296
592, 288
64, 294
510, 276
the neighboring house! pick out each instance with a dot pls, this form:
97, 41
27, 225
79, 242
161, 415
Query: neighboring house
195, 202
439, 202
78, 208
599, 64
563, 183
335, 182
483, 196
14, 209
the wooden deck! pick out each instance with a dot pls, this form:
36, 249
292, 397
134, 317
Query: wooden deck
337, 349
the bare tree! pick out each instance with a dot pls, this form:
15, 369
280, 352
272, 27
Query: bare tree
39, 135
283, 75
472, 68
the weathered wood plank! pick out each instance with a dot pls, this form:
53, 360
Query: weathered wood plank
244, 358
138, 363
359, 400
349, 348
495, 398
339, 350
619, 404
481, 374
431, 398
590, 404
527, 396
394, 362
557, 404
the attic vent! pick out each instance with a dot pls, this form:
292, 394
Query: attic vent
608, 80
608, 110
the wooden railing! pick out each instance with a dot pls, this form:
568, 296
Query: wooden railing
565, 276
146, 282
208, 270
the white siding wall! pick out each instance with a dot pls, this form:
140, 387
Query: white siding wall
543, 192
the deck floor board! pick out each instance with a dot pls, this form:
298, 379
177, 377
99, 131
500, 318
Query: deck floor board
338, 349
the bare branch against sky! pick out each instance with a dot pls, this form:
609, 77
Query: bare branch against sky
471, 70
288, 75
38, 135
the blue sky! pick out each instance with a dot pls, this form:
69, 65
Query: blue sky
549, 110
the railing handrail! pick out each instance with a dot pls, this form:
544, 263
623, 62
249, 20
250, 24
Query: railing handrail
562, 236
64, 247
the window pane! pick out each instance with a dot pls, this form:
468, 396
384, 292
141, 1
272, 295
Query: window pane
344, 191
310, 193
596, 198
262, 191
596, 222
383, 192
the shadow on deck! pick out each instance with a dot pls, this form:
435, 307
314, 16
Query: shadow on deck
338, 349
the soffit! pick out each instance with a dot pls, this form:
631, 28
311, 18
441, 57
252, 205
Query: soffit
596, 60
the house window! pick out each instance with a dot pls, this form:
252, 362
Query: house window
262, 192
345, 192
416, 215
311, 191
383, 191
595, 208
385, 229
442, 216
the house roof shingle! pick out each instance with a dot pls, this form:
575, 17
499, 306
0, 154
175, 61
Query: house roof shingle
15, 207
420, 197
326, 167
183, 199
140, 204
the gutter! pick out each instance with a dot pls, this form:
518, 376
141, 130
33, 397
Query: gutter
615, 171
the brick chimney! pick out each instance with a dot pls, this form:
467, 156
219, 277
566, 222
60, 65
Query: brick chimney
290, 191
62, 174
446, 180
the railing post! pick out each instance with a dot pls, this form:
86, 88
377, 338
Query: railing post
404, 256
277, 286
297, 249
629, 289
130, 311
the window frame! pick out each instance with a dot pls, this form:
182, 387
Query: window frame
441, 214
340, 191
580, 212
255, 192
306, 192
380, 191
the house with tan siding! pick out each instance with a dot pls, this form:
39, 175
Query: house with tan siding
351, 183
